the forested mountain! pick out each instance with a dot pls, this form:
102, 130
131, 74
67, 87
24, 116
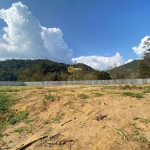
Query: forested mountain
126, 71
45, 70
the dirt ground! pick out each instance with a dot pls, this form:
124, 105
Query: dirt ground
80, 117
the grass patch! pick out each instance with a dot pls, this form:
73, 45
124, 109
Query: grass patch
59, 117
126, 87
83, 96
131, 94
113, 92
133, 86
146, 89
68, 103
49, 96
4, 102
136, 135
17, 117
14, 88
72, 90
139, 137
3, 124
30, 120
97, 94
145, 121
108, 87
19, 130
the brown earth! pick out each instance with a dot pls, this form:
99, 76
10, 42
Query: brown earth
106, 120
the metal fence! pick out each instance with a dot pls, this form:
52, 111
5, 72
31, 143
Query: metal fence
84, 82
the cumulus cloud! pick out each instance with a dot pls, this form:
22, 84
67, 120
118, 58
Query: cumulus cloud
143, 46
130, 60
25, 38
100, 62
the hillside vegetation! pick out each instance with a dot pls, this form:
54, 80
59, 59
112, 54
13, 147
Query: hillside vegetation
126, 71
45, 70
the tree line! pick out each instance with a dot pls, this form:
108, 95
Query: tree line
45, 70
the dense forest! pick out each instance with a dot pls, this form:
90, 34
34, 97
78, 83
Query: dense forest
46, 70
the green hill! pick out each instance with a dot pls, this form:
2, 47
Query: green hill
40, 70
126, 71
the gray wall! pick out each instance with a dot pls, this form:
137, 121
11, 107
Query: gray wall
86, 82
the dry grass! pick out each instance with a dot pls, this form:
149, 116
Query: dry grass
67, 115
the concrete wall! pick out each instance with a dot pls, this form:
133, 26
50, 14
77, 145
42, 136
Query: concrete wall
86, 82
11, 83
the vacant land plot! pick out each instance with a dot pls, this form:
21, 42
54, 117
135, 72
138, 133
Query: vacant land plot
75, 117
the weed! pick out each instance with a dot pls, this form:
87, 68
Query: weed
68, 103
147, 89
39, 87
136, 134
145, 121
17, 117
131, 94
97, 94
131, 106
59, 116
3, 124
49, 96
140, 137
134, 86
83, 96
30, 120
113, 92
19, 130
46, 122
72, 90
109, 87
126, 87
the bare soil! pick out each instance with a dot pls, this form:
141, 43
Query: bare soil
105, 120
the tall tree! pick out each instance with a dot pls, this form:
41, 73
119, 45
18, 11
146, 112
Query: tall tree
144, 69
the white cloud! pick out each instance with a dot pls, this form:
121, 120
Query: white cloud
143, 46
100, 62
25, 38
130, 60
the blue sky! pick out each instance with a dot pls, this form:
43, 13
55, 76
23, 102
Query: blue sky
98, 33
